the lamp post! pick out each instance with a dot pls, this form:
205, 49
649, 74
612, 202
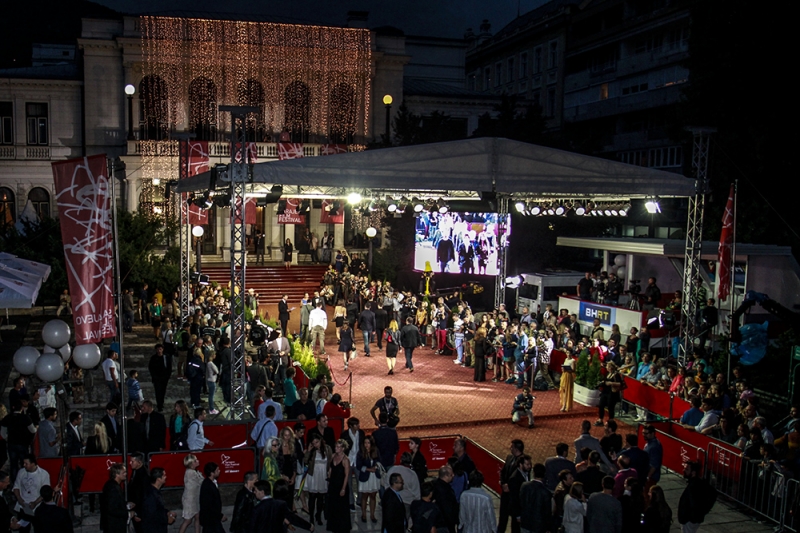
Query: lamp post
130, 90
387, 101
198, 232
371, 232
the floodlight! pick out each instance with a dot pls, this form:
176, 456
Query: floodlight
417, 204
391, 204
305, 206
520, 207
580, 209
354, 198
443, 207
560, 210
156, 181
607, 211
623, 210
551, 211
652, 205
535, 210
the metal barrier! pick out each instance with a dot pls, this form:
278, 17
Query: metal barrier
488, 463
233, 464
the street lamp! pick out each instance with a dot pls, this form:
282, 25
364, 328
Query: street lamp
371, 232
198, 232
130, 90
387, 101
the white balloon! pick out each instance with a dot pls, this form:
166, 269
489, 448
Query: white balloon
48, 349
619, 260
50, 367
621, 271
66, 352
56, 333
86, 356
25, 360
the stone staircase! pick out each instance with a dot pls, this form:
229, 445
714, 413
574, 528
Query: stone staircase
272, 281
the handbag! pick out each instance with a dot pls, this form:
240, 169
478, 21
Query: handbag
353, 354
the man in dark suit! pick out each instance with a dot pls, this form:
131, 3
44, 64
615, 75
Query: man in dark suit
113, 430
49, 516
73, 440
5, 510
269, 514
554, 465
283, 315
211, 517
386, 441
113, 508
139, 481
160, 367
366, 323
536, 513
155, 428
510, 466
515, 481
155, 517
393, 509
323, 430
445, 497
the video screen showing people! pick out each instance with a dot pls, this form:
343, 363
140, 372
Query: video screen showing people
460, 243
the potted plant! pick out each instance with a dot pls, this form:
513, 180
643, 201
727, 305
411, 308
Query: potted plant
587, 379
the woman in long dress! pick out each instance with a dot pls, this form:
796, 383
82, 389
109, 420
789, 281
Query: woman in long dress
317, 461
287, 254
392, 345
369, 481
482, 348
567, 384
192, 479
337, 508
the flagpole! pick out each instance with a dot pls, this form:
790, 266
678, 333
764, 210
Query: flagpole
118, 298
733, 275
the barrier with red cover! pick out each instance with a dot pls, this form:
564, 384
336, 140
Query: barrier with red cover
488, 463
233, 464
229, 434
53, 465
96, 470
654, 400
435, 450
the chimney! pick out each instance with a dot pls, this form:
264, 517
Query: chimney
357, 19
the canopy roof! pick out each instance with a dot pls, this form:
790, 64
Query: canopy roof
20, 281
477, 165
668, 247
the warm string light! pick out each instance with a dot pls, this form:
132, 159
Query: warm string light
360, 222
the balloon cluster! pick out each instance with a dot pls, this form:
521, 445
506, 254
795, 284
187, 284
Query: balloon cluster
49, 366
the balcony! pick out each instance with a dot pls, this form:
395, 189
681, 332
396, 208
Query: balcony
34, 153
222, 150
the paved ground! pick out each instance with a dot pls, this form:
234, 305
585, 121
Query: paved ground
438, 398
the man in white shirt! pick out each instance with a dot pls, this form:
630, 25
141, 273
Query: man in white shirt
111, 374
262, 409
317, 324
26, 488
196, 437
265, 428
476, 507
411, 489
710, 417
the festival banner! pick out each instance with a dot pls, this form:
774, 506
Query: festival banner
290, 151
726, 248
331, 149
84, 208
327, 216
197, 164
291, 215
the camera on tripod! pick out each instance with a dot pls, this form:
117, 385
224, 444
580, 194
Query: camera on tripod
635, 287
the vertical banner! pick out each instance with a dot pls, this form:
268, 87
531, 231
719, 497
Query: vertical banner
329, 216
291, 215
725, 249
84, 208
197, 164
290, 151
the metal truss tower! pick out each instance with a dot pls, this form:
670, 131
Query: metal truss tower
184, 227
502, 229
238, 176
694, 242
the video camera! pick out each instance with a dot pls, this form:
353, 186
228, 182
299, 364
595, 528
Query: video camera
635, 287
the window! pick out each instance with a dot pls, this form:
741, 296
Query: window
651, 43
604, 91
523, 65
498, 74
510, 70
36, 115
203, 108
677, 39
667, 157
487, 78
8, 209
536, 98
471, 82
552, 61
634, 88
537, 60
40, 200
551, 102
6, 123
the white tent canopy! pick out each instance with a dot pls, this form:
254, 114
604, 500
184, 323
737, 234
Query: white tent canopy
483, 164
20, 281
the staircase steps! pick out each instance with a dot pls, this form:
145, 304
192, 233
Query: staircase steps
273, 281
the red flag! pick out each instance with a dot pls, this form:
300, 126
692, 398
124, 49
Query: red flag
198, 163
725, 249
292, 215
329, 216
84, 208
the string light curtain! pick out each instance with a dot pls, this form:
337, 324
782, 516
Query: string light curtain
312, 80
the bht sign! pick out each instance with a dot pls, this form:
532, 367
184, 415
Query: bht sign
590, 312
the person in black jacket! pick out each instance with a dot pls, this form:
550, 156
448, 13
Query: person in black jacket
211, 517
154, 426
196, 374
73, 439
5, 510
283, 314
160, 367
519, 477
114, 511
393, 510
323, 430
139, 481
510, 466
243, 507
387, 442
697, 498
410, 338
154, 514
418, 462
366, 323
113, 429
49, 516
536, 503
445, 499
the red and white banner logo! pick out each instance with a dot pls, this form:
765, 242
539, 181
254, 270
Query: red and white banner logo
726, 266
291, 215
290, 151
329, 216
331, 149
198, 163
84, 208
252, 153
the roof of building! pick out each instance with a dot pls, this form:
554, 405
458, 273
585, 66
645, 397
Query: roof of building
422, 87
667, 247
66, 71
534, 16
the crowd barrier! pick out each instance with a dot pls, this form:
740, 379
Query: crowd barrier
54, 466
436, 450
96, 469
659, 402
488, 463
233, 464
678, 450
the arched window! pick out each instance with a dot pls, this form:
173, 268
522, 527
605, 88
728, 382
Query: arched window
251, 93
296, 110
8, 209
40, 199
342, 114
203, 109
153, 109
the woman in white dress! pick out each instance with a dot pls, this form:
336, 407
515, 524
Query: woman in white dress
369, 480
574, 509
192, 479
317, 460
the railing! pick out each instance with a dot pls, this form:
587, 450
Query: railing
222, 149
34, 153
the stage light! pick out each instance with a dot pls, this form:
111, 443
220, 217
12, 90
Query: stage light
520, 207
513, 282
417, 204
372, 206
614, 211
156, 181
623, 210
551, 211
354, 198
391, 204
208, 201
224, 200
443, 208
580, 209
653, 206
607, 211
305, 206
336, 205
535, 210
274, 194
560, 210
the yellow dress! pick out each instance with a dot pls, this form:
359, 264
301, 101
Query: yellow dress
566, 386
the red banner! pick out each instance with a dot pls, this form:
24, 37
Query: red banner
228, 434
677, 451
436, 450
96, 467
84, 208
198, 163
233, 464
328, 216
53, 465
290, 151
725, 247
291, 215
331, 149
